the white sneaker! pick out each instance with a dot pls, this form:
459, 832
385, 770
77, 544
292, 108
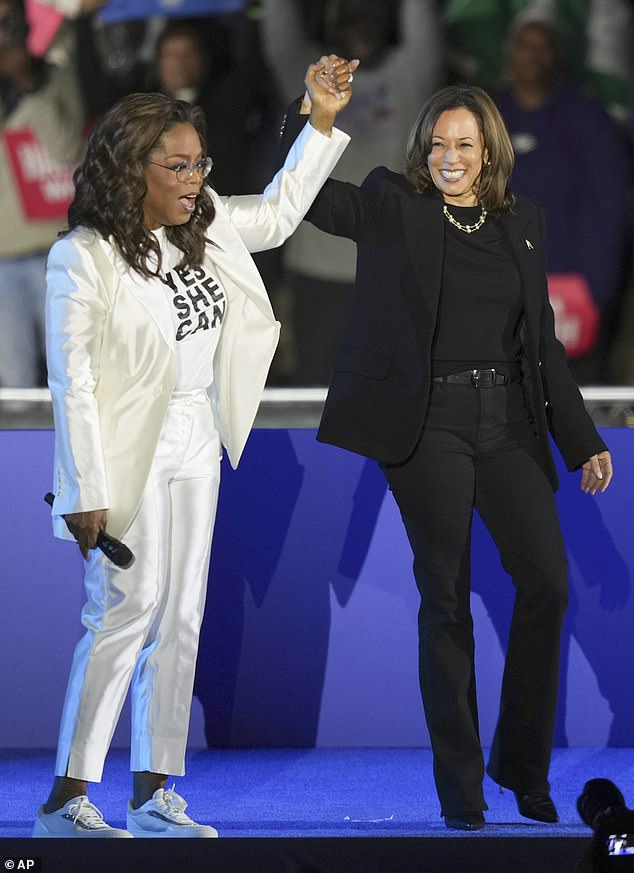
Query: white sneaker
164, 816
77, 818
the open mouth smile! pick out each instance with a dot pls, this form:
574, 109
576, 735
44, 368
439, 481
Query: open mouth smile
452, 175
188, 202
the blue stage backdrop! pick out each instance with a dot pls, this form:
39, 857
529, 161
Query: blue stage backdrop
310, 627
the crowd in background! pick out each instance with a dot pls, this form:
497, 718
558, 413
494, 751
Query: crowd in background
561, 71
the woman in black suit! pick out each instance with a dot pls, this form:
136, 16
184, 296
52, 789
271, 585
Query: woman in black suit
450, 376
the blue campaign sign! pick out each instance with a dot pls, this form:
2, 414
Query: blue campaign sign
127, 10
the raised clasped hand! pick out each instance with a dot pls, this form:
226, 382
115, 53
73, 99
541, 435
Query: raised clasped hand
597, 473
329, 83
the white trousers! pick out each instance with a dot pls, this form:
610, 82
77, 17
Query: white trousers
142, 624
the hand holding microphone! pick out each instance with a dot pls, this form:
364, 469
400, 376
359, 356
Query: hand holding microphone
112, 548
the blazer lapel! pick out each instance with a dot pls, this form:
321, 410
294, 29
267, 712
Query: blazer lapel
425, 243
149, 293
525, 242
523, 238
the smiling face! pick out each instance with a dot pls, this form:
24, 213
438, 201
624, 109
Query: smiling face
456, 156
169, 202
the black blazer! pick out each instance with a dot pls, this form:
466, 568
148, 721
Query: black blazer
379, 390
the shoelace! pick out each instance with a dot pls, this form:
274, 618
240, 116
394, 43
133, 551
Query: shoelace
176, 805
90, 815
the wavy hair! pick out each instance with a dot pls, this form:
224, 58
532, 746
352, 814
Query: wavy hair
110, 185
491, 188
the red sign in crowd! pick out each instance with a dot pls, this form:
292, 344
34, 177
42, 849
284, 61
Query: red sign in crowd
45, 187
576, 313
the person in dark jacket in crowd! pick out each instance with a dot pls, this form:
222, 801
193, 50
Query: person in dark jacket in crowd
556, 130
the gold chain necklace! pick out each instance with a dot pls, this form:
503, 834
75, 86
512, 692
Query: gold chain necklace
465, 228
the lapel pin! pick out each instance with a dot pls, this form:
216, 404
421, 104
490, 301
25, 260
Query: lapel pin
529, 244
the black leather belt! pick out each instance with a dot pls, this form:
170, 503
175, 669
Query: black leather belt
476, 378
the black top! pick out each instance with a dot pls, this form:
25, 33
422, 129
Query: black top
481, 302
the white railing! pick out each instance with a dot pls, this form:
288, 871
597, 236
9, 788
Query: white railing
609, 405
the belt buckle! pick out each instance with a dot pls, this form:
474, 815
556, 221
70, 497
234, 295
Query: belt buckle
483, 378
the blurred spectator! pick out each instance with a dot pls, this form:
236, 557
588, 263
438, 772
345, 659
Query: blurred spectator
113, 59
203, 62
41, 128
390, 86
573, 159
598, 32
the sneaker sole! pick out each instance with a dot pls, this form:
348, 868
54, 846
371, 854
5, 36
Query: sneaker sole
40, 832
170, 834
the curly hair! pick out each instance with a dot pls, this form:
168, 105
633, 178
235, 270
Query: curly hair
110, 185
491, 189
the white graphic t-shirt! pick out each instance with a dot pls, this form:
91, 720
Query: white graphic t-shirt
198, 304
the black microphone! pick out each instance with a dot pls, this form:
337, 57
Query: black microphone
112, 548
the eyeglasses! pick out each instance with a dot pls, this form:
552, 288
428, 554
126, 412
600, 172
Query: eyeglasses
185, 171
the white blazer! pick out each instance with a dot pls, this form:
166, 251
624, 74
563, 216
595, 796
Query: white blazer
111, 349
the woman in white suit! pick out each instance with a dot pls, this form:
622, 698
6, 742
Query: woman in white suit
154, 308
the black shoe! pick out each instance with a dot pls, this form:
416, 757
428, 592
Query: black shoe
465, 821
539, 807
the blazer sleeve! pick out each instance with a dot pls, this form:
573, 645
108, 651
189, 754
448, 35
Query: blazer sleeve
76, 311
361, 214
266, 220
569, 422
342, 208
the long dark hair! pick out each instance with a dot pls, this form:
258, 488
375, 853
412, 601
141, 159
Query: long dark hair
110, 186
491, 189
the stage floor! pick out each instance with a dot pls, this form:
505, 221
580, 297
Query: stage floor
344, 810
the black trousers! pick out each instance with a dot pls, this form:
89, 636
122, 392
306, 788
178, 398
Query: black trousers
478, 449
